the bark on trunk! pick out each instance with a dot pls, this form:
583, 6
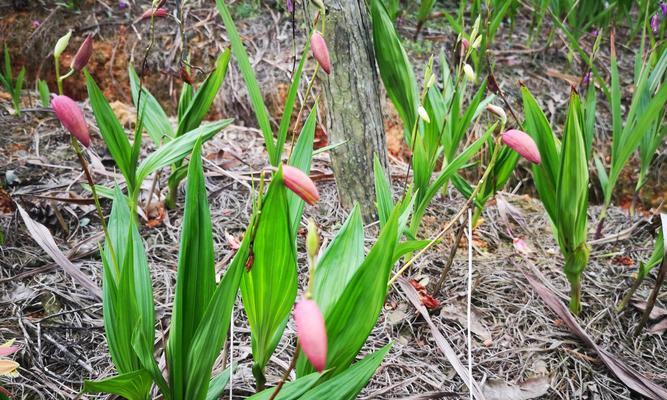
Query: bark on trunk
352, 99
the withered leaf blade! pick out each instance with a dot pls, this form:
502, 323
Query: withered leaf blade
45, 240
631, 378
531, 388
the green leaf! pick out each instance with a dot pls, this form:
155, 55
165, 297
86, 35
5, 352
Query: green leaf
301, 158
395, 68
291, 390
112, 132
384, 199
177, 149
44, 94
218, 384
269, 288
409, 247
425, 8
348, 384
195, 279
203, 99
184, 101
339, 261
134, 385
572, 189
156, 120
245, 67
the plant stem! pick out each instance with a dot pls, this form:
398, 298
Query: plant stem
91, 183
260, 379
650, 303
601, 218
59, 82
283, 379
629, 294
575, 295
450, 260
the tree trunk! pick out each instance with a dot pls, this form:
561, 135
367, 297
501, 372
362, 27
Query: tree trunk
352, 103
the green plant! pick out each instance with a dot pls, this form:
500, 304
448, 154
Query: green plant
44, 93
645, 268
435, 121
193, 106
11, 85
561, 181
643, 120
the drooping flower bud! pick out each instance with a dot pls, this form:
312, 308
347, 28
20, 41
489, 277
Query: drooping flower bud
290, 6
523, 144
158, 13
477, 42
311, 331
497, 111
465, 44
61, 44
300, 184
71, 116
9, 368
320, 51
319, 4
469, 73
312, 239
83, 54
8, 348
423, 114
655, 23
663, 8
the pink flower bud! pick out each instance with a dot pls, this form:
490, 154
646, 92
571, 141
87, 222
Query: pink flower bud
320, 51
523, 144
8, 350
83, 54
71, 116
158, 13
311, 332
301, 184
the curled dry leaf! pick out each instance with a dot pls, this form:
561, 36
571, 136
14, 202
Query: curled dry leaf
531, 388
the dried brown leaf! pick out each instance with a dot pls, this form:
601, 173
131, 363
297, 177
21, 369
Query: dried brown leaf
530, 388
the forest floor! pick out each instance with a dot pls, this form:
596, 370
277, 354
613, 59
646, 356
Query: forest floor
521, 349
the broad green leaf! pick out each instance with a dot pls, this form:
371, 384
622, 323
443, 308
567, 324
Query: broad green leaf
134, 385
425, 8
348, 384
301, 158
395, 68
195, 279
269, 287
112, 132
256, 99
384, 200
177, 149
203, 99
156, 120
102, 191
291, 390
339, 261
184, 100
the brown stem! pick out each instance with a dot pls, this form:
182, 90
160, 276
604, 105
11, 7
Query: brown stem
450, 260
653, 297
91, 183
283, 379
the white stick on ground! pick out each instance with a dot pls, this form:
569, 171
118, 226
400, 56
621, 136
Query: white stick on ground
469, 310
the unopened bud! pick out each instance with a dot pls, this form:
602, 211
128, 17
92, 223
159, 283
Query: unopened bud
158, 13
312, 333
83, 54
477, 42
71, 116
185, 76
423, 114
300, 184
320, 51
319, 4
497, 111
312, 239
61, 44
523, 144
469, 73
431, 81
